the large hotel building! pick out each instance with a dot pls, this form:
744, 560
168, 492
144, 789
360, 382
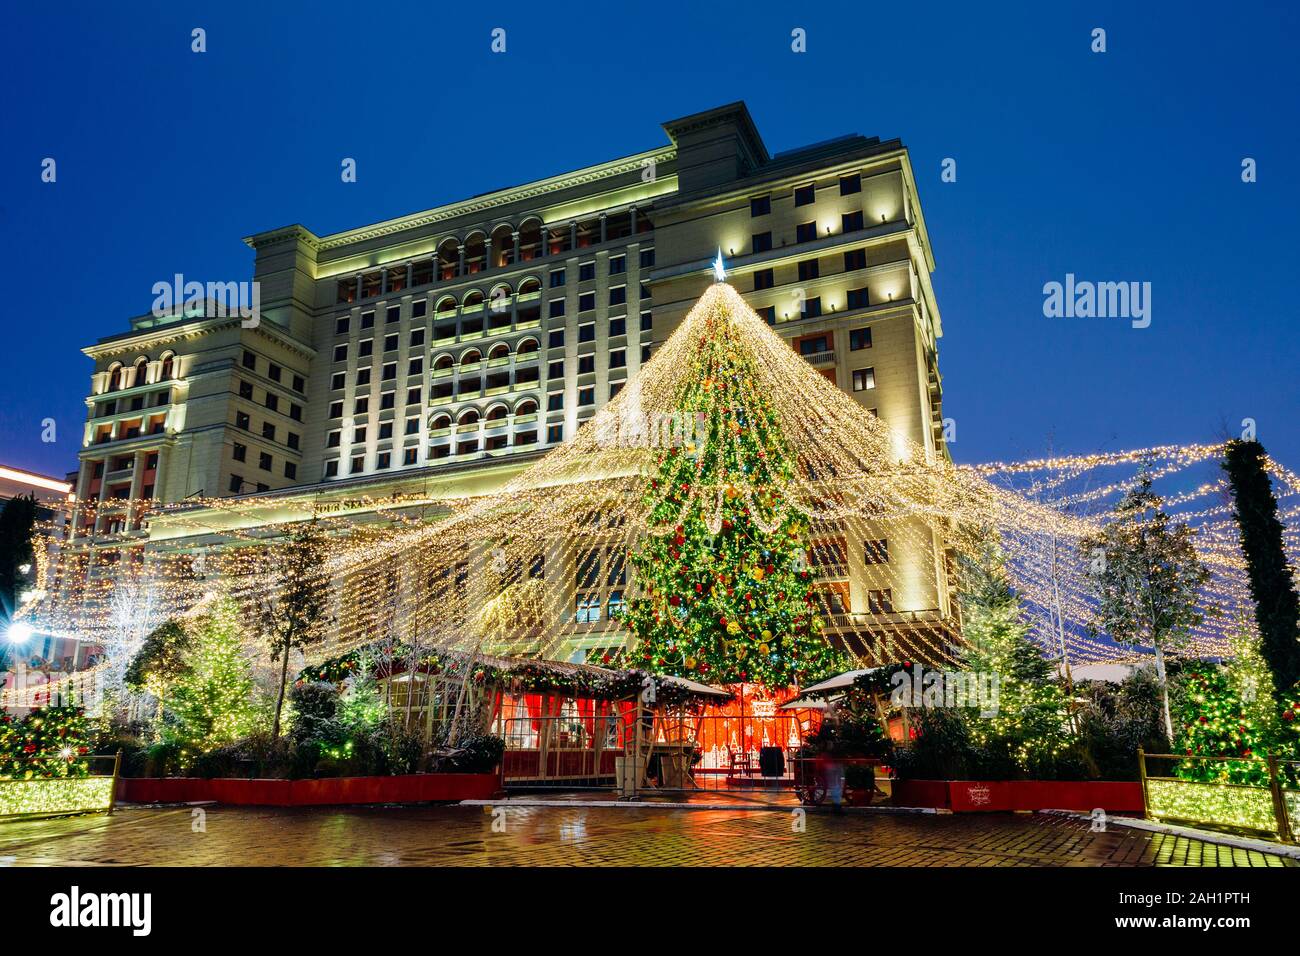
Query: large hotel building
442, 352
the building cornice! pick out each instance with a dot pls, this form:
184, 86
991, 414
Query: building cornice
489, 201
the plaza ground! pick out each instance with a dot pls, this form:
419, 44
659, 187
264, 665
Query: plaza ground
565, 834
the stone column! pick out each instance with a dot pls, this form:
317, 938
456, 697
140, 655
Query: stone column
514, 237
603, 229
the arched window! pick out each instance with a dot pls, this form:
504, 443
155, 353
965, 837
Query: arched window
529, 285
468, 417
141, 371
527, 407
527, 346
499, 351
168, 367
497, 414
471, 357
439, 422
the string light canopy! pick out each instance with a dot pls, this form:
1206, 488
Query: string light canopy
540, 567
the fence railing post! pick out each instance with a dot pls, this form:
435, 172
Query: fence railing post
1142, 774
1279, 803
112, 793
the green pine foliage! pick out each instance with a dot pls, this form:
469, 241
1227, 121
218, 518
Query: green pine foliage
211, 704
1030, 720
726, 594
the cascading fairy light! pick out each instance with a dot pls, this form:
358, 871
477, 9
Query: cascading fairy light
512, 571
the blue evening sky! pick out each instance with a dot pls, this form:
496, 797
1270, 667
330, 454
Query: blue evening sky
1122, 166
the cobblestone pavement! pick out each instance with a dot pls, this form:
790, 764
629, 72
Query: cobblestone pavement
582, 836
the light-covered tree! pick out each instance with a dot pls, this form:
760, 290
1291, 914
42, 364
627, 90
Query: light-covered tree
1147, 579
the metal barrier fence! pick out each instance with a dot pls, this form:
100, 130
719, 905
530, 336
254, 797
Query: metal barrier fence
1271, 805
62, 796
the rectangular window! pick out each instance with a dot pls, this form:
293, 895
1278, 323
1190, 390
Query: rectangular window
240, 452
555, 370
858, 298
586, 301
855, 259
413, 395
851, 221
805, 232
809, 269
332, 469
387, 400
336, 410
365, 348
647, 258
554, 434
618, 326
764, 279
586, 396
358, 464
647, 322
587, 608
617, 265
586, 271
417, 338
236, 483
876, 552
341, 324
333, 438
859, 339
618, 358
812, 307
242, 420
394, 313
409, 456
292, 440
363, 377
618, 295
367, 320
880, 601
587, 333
760, 206
415, 366
761, 242
412, 426
555, 340
555, 402
246, 390
264, 461
390, 371
273, 372
385, 430
815, 346
361, 405
272, 402
419, 308
805, 195
557, 278
850, 185
390, 342
359, 435
863, 379
268, 431
586, 364
250, 360
383, 459
557, 308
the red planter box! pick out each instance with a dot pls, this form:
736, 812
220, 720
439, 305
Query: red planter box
329, 791
963, 796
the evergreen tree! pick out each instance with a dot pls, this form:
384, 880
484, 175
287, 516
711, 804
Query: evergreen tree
1147, 578
1272, 580
17, 524
212, 702
293, 613
1030, 722
726, 593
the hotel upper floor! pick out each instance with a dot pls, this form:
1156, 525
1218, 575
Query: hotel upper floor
496, 326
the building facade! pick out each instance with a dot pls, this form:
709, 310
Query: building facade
442, 352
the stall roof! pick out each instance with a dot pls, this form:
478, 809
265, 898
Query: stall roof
695, 687
839, 682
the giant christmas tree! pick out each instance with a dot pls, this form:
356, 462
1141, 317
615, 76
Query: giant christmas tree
725, 591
